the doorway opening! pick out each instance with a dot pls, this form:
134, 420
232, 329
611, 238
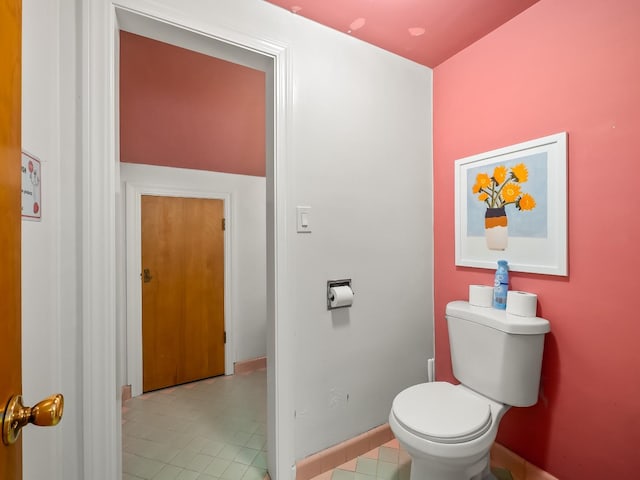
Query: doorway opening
101, 430
182, 38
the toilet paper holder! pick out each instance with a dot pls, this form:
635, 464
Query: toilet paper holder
346, 282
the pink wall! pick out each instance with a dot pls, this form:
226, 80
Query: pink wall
180, 108
568, 66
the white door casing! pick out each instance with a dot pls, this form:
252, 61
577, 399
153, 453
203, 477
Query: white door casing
133, 216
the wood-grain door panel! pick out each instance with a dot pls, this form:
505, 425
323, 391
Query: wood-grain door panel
183, 300
10, 220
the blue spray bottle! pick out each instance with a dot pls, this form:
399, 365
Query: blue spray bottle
501, 285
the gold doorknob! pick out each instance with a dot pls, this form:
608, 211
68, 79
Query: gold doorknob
46, 413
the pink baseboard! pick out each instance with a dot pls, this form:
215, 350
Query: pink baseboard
334, 456
248, 366
126, 393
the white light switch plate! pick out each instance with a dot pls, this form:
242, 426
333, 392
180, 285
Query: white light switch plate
303, 219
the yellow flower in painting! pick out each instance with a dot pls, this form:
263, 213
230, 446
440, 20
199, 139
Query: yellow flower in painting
504, 187
482, 181
510, 192
499, 174
520, 173
526, 202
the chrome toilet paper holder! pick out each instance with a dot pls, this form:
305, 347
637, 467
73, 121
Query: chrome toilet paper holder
346, 282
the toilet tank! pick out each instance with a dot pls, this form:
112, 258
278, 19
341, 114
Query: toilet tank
496, 354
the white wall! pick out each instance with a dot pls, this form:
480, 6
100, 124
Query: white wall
40, 240
361, 158
248, 315
50, 323
363, 163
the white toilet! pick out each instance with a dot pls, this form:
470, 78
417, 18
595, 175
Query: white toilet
448, 429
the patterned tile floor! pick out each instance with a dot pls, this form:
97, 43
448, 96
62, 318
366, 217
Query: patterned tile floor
208, 430
388, 462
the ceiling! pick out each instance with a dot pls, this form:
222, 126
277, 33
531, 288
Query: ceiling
425, 31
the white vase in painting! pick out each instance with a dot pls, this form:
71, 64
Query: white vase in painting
496, 229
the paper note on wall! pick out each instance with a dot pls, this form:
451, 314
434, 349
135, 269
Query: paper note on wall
31, 200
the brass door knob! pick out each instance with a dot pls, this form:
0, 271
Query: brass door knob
46, 413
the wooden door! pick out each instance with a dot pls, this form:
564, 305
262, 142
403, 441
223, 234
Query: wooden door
10, 199
182, 290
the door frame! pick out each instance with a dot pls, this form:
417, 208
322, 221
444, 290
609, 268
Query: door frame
101, 413
133, 242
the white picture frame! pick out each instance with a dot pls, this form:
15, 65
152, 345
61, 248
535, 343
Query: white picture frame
535, 206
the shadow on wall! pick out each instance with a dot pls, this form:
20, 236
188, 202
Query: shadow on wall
511, 432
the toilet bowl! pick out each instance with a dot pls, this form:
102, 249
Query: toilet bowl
447, 429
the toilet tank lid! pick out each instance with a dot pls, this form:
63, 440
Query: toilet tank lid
498, 319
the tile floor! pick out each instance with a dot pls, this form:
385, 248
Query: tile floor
208, 430
216, 429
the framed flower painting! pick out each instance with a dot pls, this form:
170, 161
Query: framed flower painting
511, 204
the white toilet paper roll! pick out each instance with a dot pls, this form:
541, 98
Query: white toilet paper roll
480, 295
340, 296
523, 304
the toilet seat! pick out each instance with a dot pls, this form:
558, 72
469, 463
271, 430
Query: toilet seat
442, 413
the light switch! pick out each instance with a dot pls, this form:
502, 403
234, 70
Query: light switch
303, 215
